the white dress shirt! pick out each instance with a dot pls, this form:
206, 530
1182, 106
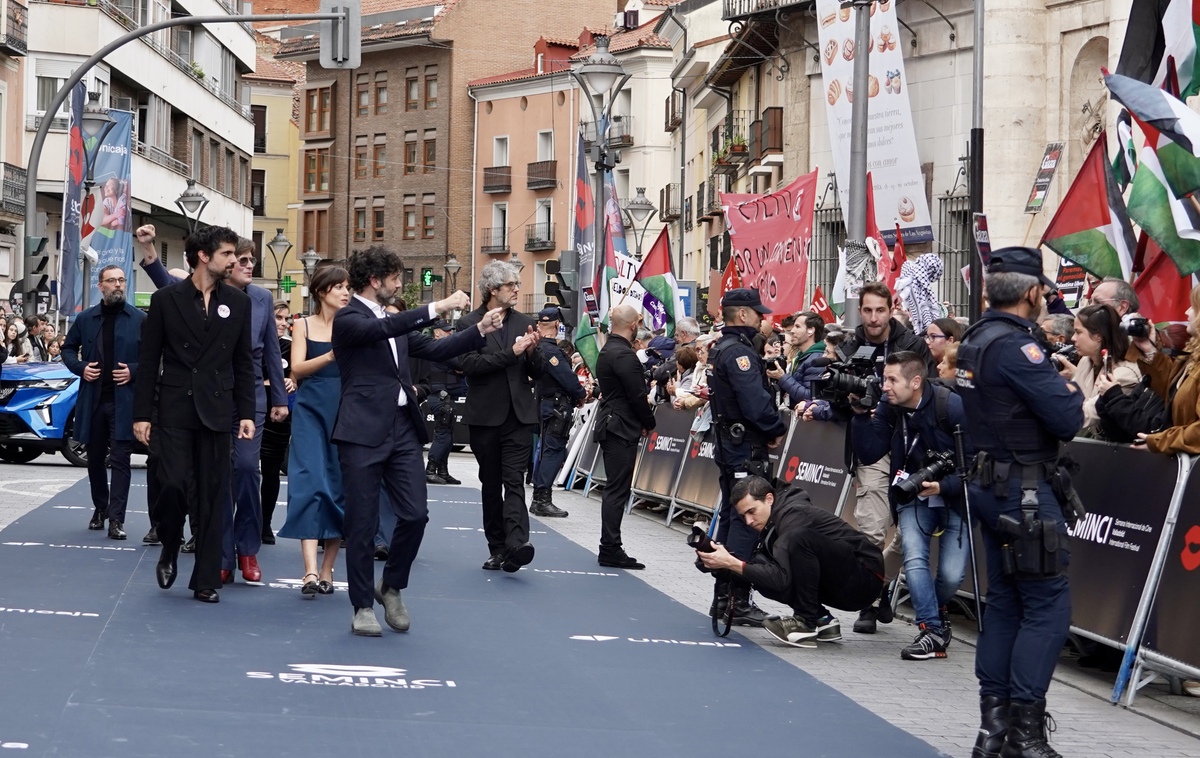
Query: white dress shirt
379, 312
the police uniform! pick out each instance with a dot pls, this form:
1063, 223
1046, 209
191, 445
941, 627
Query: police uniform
745, 419
559, 392
446, 386
1020, 410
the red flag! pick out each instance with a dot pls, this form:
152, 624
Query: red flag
890, 270
874, 233
731, 279
1164, 294
820, 306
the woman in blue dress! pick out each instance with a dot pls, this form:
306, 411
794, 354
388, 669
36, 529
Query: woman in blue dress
315, 503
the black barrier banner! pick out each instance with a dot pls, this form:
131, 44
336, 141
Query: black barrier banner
1173, 622
589, 452
699, 484
663, 452
461, 433
1112, 547
815, 460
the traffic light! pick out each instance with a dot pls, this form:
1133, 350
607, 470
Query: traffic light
426, 277
564, 289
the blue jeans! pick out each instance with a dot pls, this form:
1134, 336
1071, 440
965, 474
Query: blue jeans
443, 435
918, 522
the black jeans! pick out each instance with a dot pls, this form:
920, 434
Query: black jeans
104, 447
194, 470
276, 435
825, 572
503, 455
620, 455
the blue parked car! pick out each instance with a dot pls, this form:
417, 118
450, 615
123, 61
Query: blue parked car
37, 412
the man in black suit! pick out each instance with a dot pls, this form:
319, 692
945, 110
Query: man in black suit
624, 415
502, 414
379, 430
198, 332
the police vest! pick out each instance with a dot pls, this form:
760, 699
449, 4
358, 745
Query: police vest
1001, 423
724, 408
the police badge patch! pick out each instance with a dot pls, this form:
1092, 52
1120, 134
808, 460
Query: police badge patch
554, 360
743, 363
1033, 353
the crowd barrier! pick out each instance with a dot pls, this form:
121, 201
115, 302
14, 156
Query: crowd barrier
1135, 556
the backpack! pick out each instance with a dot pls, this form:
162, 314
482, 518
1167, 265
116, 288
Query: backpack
1143, 410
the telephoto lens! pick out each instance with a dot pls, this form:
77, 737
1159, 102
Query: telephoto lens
906, 490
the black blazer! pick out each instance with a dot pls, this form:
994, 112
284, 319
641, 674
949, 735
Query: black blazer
623, 408
371, 379
496, 378
204, 375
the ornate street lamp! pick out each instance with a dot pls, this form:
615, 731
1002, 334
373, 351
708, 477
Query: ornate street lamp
640, 209
279, 247
191, 204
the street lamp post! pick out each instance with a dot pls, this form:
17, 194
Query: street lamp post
601, 74
279, 247
640, 209
96, 123
452, 268
192, 204
856, 219
309, 258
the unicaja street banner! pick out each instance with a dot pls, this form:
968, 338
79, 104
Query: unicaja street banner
770, 235
96, 224
891, 142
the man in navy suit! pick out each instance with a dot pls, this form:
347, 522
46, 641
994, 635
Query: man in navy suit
379, 430
102, 347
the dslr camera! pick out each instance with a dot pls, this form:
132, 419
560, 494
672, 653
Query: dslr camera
1068, 351
1136, 326
855, 376
699, 540
939, 465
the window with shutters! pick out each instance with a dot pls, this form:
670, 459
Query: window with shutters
410, 222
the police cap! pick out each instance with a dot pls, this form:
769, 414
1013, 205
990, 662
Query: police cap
442, 326
744, 297
548, 314
1019, 260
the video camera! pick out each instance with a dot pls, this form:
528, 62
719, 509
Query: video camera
856, 376
939, 466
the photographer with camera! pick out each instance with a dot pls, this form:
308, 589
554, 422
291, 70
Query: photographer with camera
446, 386
1102, 347
1020, 411
916, 428
747, 423
804, 557
559, 393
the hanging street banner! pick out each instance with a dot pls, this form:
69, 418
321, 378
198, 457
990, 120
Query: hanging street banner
891, 142
770, 235
99, 224
1045, 175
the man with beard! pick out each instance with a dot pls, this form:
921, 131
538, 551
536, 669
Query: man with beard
102, 347
198, 333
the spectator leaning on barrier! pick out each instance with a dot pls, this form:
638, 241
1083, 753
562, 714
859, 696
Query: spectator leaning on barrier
1178, 381
808, 334
804, 556
1102, 348
916, 428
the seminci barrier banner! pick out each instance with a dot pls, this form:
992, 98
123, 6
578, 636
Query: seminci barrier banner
1171, 630
663, 452
891, 141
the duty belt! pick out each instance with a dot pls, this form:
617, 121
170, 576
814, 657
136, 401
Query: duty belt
990, 472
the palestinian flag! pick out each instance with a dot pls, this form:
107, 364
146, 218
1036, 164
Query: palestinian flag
587, 342
1170, 126
1158, 30
662, 291
1162, 215
1165, 295
1091, 226
1125, 164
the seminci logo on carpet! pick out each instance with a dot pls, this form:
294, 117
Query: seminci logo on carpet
335, 675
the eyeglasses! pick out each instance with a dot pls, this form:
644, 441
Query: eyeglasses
113, 281
933, 337
512, 285
247, 262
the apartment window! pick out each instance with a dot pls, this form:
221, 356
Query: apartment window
214, 162
380, 159
258, 191
363, 95
410, 157
259, 113
412, 90
500, 151
545, 146
197, 154
410, 222
381, 93
318, 104
360, 223
377, 213
316, 170
315, 231
243, 188
47, 88
430, 87
427, 222
227, 184
430, 155
360, 161
257, 239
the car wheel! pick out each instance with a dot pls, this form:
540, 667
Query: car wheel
18, 454
74, 452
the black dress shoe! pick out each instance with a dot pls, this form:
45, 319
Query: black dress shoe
189, 546
381, 552
494, 562
166, 569
521, 555
268, 537
618, 559
97, 522
207, 596
151, 537
116, 530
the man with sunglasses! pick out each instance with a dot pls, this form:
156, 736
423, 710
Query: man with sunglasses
243, 527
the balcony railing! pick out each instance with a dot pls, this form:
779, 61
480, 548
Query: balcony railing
12, 199
16, 28
541, 175
712, 198
162, 158
620, 132
493, 240
497, 180
539, 236
734, 9
674, 111
58, 124
668, 203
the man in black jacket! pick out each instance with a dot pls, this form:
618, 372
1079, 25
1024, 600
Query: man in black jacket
806, 557
624, 415
501, 414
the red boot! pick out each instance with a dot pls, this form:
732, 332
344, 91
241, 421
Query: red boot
249, 566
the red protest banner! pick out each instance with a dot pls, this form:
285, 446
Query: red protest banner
770, 235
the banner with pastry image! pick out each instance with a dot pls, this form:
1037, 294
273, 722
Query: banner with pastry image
891, 142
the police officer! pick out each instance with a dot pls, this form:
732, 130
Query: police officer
559, 392
446, 387
747, 423
1020, 411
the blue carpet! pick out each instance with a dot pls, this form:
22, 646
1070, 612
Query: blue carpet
562, 659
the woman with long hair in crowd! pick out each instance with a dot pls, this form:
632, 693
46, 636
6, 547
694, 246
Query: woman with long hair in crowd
940, 334
1177, 380
316, 503
1102, 347
16, 340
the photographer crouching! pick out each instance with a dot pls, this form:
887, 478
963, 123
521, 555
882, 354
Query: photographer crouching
805, 557
916, 427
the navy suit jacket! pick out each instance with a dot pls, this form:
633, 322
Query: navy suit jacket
372, 380
83, 346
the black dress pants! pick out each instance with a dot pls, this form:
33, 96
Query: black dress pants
826, 572
194, 470
104, 447
503, 455
620, 455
